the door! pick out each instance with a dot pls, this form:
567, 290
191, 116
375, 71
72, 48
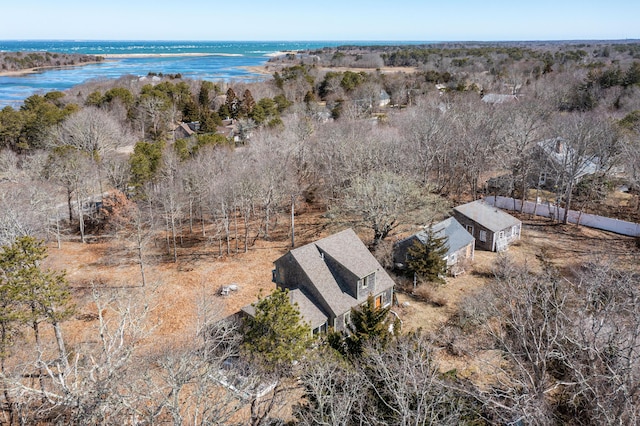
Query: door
378, 301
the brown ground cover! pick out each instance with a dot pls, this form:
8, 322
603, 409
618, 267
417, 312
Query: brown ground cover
176, 288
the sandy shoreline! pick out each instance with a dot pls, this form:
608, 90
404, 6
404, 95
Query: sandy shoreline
162, 55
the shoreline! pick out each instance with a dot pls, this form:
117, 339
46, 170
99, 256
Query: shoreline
36, 70
162, 55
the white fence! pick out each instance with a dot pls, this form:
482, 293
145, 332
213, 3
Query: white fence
552, 211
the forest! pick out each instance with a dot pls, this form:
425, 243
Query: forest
20, 61
117, 198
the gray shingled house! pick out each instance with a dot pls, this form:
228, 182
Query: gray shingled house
460, 244
492, 228
328, 277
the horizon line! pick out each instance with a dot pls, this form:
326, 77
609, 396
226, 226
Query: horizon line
323, 41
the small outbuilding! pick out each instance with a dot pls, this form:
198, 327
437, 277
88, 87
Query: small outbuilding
460, 244
492, 228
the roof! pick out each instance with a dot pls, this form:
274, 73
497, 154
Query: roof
497, 98
457, 237
309, 312
348, 250
315, 267
486, 215
562, 154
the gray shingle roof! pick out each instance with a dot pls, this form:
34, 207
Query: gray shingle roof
457, 236
314, 266
346, 248
309, 312
486, 215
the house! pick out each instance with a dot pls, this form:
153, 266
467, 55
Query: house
383, 99
460, 244
183, 131
497, 98
556, 159
492, 228
329, 277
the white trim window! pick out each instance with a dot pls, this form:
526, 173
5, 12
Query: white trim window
346, 319
483, 236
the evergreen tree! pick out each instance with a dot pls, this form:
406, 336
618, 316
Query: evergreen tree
204, 96
368, 325
232, 103
427, 260
248, 103
275, 335
42, 294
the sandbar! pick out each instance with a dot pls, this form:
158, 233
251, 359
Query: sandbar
162, 55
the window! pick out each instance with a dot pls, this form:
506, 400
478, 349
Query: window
542, 179
452, 259
321, 329
469, 229
367, 281
501, 235
514, 231
347, 319
483, 236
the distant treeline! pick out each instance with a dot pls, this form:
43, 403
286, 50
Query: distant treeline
464, 53
16, 61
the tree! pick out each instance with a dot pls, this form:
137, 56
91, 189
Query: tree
248, 103
585, 139
427, 259
383, 200
334, 390
145, 162
407, 388
369, 325
42, 294
93, 131
70, 168
232, 103
275, 334
274, 337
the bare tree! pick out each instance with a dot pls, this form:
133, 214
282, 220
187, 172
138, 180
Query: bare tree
383, 201
335, 391
586, 142
406, 387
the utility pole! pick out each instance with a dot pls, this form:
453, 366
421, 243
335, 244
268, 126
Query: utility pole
293, 232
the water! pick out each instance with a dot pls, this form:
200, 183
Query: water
224, 61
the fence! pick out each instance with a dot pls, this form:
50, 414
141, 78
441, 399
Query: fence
555, 212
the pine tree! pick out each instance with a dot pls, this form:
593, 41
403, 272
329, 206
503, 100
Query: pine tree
427, 259
275, 334
368, 325
248, 103
232, 103
42, 295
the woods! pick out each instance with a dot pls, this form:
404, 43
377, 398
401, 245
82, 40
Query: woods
112, 162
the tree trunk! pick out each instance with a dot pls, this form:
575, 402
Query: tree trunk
140, 254
69, 201
567, 204
60, 342
80, 216
36, 335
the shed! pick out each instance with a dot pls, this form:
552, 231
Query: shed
460, 243
492, 228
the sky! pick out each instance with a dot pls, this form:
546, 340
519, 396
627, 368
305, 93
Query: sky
289, 20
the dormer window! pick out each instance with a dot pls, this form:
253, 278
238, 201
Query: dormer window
369, 281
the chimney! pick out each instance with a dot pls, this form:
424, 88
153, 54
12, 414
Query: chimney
558, 146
